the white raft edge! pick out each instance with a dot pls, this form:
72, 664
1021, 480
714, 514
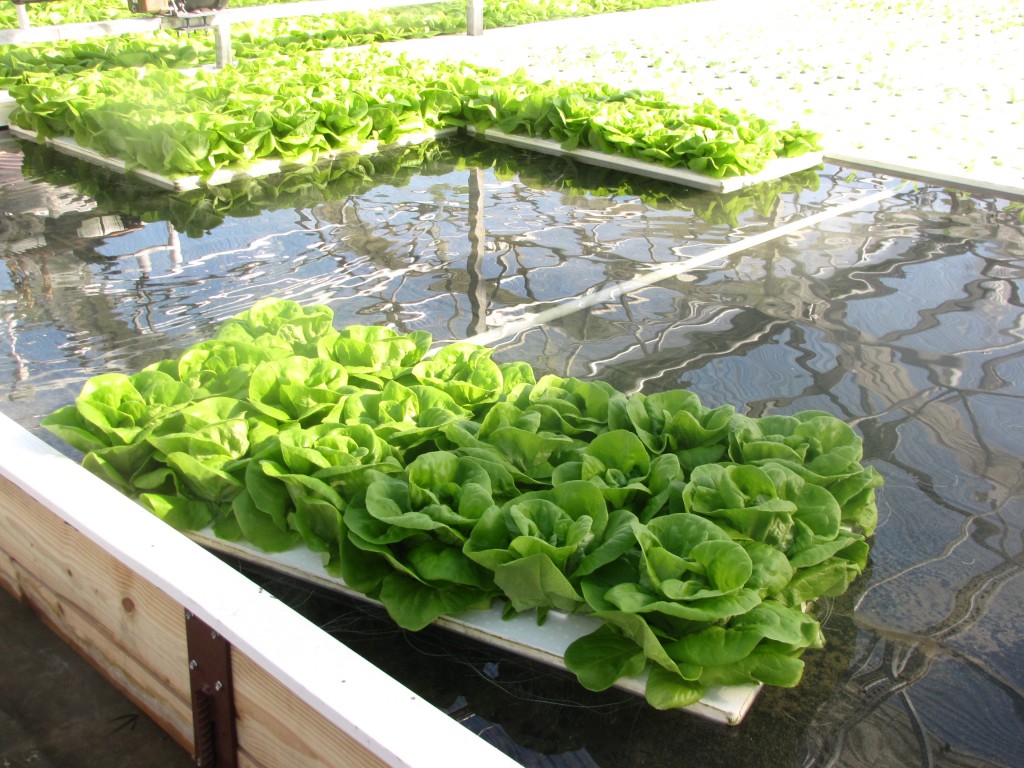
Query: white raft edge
546, 643
775, 169
68, 146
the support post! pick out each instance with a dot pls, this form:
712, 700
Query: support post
222, 38
474, 17
23, 22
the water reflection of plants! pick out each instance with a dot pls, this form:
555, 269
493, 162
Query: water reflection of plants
194, 212
201, 210
581, 180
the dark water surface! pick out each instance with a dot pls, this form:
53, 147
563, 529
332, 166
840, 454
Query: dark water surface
901, 314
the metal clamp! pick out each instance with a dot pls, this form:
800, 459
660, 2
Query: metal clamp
213, 700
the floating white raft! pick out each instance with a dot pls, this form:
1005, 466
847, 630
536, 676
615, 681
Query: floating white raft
775, 169
521, 635
7, 105
68, 146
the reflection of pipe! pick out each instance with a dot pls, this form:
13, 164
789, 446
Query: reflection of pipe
510, 329
174, 243
173, 247
474, 260
21, 368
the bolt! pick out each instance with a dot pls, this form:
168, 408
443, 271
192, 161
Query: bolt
213, 635
218, 686
193, 664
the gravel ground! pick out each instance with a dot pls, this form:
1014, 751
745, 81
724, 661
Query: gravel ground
930, 88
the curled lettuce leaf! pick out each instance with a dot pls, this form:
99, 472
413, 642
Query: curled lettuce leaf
300, 327
418, 522
537, 543
374, 353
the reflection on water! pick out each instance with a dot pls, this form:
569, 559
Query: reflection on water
906, 321
903, 317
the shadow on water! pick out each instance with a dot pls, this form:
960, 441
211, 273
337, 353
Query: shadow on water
902, 316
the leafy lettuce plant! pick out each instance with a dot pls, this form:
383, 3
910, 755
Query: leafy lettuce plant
297, 483
374, 353
618, 464
298, 389
676, 422
407, 417
278, 322
113, 409
437, 481
513, 438
223, 368
417, 522
467, 373
820, 448
540, 544
692, 607
571, 407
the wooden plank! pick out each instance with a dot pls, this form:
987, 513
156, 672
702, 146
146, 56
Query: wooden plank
130, 631
774, 170
274, 732
318, 680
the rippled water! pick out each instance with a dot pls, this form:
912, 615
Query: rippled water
899, 309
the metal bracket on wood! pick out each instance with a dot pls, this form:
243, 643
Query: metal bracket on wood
213, 700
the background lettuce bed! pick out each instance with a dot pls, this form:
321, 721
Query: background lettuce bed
294, 35
299, 108
439, 483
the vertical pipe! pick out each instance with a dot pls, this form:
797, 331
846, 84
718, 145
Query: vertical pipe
222, 37
23, 22
474, 17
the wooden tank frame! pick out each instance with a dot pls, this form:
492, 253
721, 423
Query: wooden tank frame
130, 594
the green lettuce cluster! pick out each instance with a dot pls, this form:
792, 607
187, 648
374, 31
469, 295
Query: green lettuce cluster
437, 483
297, 109
293, 36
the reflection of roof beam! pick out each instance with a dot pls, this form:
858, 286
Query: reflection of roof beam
512, 326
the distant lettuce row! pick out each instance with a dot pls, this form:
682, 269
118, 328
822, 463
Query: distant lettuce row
257, 39
439, 483
297, 109
174, 123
